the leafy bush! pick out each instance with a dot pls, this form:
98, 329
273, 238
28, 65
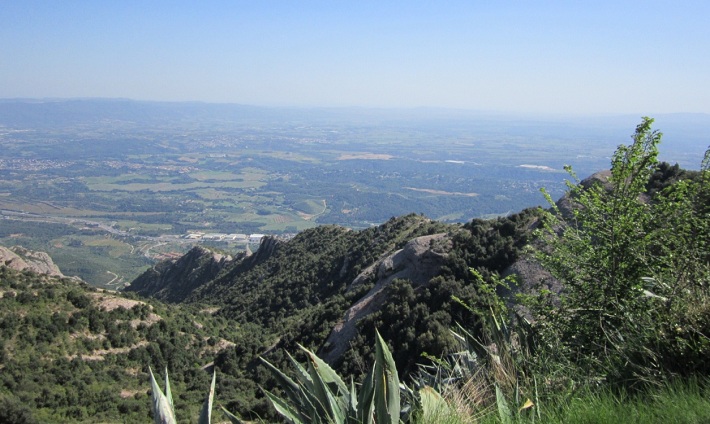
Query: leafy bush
635, 272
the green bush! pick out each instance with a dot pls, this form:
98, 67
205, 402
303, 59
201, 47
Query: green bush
635, 304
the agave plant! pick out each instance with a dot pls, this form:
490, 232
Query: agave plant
319, 395
164, 409
499, 357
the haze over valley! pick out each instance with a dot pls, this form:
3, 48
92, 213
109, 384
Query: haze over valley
108, 186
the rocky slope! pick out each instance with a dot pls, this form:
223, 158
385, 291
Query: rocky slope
418, 262
174, 280
21, 259
330, 287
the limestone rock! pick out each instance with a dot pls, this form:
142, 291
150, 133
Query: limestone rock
418, 262
21, 259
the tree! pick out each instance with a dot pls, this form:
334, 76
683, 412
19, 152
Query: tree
13, 411
623, 259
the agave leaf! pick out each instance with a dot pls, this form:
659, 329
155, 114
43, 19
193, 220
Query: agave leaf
352, 407
472, 342
291, 388
365, 401
300, 395
162, 409
168, 392
504, 413
231, 417
325, 371
339, 409
387, 401
320, 394
432, 404
206, 413
301, 374
291, 414
325, 380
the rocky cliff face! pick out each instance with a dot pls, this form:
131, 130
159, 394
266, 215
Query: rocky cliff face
419, 261
175, 280
567, 204
21, 259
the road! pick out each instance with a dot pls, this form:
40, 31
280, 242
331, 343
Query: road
25, 216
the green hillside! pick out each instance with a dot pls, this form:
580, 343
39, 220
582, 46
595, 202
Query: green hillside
70, 353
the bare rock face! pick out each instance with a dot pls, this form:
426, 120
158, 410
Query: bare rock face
566, 204
530, 278
267, 247
21, 259
173, 281
418, 262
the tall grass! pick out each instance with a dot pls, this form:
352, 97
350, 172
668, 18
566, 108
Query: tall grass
680, 401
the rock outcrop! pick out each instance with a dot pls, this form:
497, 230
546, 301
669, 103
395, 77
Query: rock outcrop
175, 280
567, 204
21, 259
419, 261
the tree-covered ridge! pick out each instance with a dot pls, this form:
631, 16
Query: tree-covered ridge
415, 320
70, 353
175, 280
298, 291
303, 288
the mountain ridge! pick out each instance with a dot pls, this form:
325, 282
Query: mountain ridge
21, 259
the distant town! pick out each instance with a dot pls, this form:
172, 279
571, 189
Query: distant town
236, 238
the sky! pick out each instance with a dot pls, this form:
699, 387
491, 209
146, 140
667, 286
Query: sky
557, 57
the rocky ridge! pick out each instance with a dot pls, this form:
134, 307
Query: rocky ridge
175, 280
21, 259
418, 262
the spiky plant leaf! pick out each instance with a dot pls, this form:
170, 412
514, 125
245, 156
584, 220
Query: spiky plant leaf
290, 414
302, 375
365, 400
163, 412
168, 391
206, 413
387, 400
325, 371
320, 394
300, 401
472, 343
352, 407
292, 389
504, 413
231, 417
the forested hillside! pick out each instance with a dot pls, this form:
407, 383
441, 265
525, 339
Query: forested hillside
71, 353
299, 291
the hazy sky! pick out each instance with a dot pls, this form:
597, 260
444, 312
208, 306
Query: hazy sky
602, 56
